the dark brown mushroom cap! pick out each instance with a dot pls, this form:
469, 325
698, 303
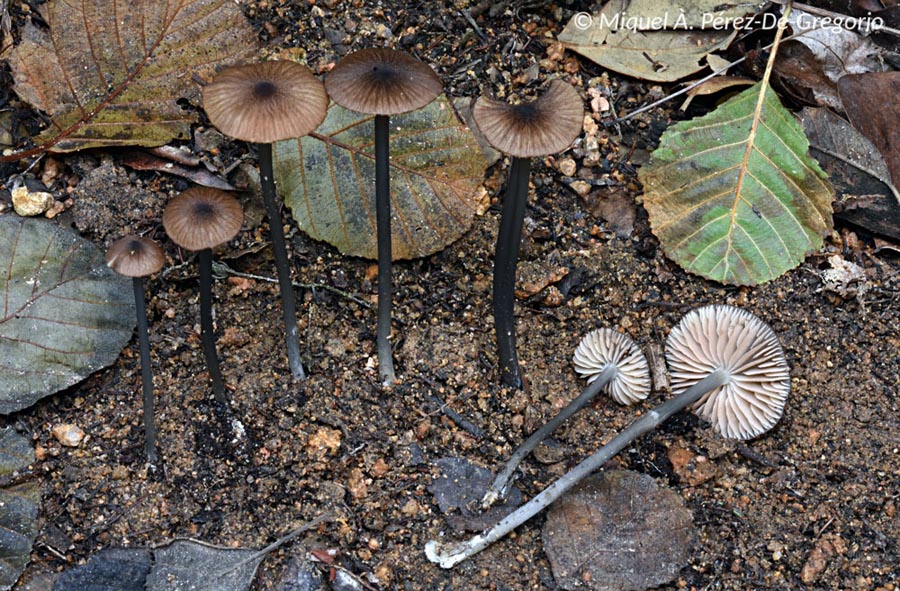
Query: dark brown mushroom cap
601, 347
265, 102
135, 256
381, 81
202, 218
547, 125
714, 337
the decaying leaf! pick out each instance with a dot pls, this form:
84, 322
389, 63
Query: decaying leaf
328, 180
63, 313
188, 564
734, 205
18, 507
618, 531
111, 73
110, 569
460, 487
869, 100
661, 42
835, 139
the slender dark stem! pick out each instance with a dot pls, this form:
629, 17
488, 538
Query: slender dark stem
383, 230
288, 299
146, 371
498, 488
505, 260
206, 325
450, 554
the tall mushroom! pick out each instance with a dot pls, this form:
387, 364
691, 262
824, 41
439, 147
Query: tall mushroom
265, 103
545, 126
138, 257
382, 82
726, 364
200, 219
612, 362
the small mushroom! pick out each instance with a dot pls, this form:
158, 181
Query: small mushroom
726, 361
264, 103
382, 82
612, 362
137, 257
540, 128
200, 219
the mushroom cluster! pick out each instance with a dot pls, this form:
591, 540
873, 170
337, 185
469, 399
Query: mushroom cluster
726, 364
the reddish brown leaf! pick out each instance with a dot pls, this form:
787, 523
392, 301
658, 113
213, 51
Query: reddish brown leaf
865, 98
110, 73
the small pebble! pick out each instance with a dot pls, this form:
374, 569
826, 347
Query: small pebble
580, 187
68, 435
567, 167
28, 203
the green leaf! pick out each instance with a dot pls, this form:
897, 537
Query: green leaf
735, 207
328, 180
18, 508
111, 73
63, 313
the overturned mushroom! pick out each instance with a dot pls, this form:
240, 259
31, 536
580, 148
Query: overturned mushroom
200, 219
382, 82
540, 128
739, 382
264, 103
612, 362
138, 257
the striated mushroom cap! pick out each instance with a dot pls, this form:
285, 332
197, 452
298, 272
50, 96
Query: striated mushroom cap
753, 399
545, 126
604, 346
381, 81
265, 102
202, 218
135, 256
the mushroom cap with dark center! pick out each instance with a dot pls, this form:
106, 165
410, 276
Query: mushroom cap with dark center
135, 256
604, 346
202, 217
265, 102
714, 337
381, 81
548, 125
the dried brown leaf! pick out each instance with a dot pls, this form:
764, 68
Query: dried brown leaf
111, 73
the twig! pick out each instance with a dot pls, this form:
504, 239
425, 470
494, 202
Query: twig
458, 419
221, 269
279, 542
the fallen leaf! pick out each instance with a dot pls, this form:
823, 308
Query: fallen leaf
460, 487
188, 564
616, 206
735, 207
714, 85
141, 160
18, 507
611, 40
113, 76
110, 569
616, 531
65, 313
328, 180
840, 51
868, 102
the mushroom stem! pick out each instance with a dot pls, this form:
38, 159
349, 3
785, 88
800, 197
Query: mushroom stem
448, 555
505, 261
288, 299
206, 326
499, 488
146, 371
383, 236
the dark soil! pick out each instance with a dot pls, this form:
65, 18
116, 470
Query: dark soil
809, 505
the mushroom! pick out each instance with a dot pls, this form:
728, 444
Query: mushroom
382, 82
725, 362
200, 219
137, 257
265, 103
545, 126
612, 362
